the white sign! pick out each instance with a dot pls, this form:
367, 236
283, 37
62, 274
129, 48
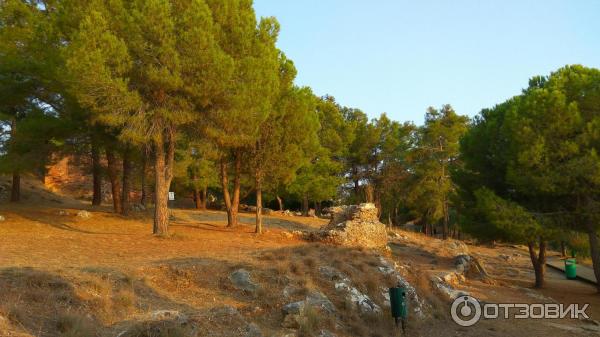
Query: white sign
171, 196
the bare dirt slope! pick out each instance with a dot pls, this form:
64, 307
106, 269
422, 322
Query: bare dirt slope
64, 275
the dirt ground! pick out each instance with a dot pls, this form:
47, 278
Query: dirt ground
51, 259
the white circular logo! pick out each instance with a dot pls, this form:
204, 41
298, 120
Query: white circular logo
466, 310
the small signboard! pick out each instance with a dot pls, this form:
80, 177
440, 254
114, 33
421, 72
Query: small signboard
171, 196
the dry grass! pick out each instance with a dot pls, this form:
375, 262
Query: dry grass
67, 276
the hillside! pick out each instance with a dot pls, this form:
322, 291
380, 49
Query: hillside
66, 273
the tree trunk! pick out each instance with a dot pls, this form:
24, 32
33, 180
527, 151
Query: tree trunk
203, 197
144, 198
563, 249
369, 193
235, 203
163, 166
446, 221
197, 201
280, 202
258, 229
595, 252
229, 201
96, 175
538, 261
305, 205
113, 175
15, 192
127, 168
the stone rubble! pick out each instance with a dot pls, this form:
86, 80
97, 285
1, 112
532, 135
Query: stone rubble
353, 226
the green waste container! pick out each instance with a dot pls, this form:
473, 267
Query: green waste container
571, 269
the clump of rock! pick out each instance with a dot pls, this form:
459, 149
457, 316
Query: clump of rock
353, 226
84, 214
241, 280
294, 312
471, 267
467, 266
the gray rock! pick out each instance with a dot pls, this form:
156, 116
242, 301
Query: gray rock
331, 273
84, 214
504, 257
253, 330
225, 311
326, 333
470, 267
294, 308
160, 315
292, 321
289, 290
318, 300
241, 280
285, 333
364, 303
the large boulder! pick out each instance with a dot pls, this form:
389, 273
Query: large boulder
354, 226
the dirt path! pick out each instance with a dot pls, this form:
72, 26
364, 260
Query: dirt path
584, 272
510, 269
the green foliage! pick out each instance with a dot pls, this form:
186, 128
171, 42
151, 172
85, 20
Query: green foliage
252, 83
146, 66
432, 160
29, 105
504, 220
320, 177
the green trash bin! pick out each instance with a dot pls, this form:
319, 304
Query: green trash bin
571, 269
398, 305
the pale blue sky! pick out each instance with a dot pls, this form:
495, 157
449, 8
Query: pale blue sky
400, 57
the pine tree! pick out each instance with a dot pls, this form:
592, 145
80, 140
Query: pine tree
433, 158
285, 138
233, 124
148, 68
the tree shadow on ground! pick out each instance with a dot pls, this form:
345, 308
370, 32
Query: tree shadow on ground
249, 219
61, 222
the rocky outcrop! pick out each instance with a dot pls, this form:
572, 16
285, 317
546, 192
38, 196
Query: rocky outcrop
241, 280
470, 267
353, 226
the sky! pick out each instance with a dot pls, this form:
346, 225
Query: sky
400, 57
